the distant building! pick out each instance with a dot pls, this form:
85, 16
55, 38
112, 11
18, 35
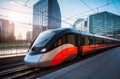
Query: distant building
105, 23
77, 22
81, 24
29, 36
19, 36
6, 30
46, 15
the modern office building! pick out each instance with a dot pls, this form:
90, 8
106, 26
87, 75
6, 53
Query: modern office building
105, 23
6, 30
46, 15
81, 24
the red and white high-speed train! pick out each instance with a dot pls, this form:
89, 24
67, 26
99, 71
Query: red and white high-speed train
55, 46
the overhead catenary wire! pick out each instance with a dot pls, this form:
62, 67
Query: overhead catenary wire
15, 10
88, 11
116, 6
26, 12
41, 12
17, 21
88, 6
31, 7
65, 21
22, 4
26, 2
62, 16
32, 23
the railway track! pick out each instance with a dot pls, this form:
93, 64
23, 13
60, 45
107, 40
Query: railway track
20, 71
17, 71
6, 67
7, 71
24, 72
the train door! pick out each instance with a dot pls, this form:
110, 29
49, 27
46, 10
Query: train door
80, 43
69, 48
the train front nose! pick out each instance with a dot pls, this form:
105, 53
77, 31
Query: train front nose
32, 60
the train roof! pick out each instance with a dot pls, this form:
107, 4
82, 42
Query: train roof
98, 36
65, 30
86, 33
70, 30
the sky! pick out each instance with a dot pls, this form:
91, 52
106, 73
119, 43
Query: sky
71, 10
74, 9
21, 15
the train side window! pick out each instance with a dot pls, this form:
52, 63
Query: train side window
86, 41
81, 39
56, 44
68, 38
64, 39
98, 41
103, 41
110, 42
71, 39
91, 41
59, 42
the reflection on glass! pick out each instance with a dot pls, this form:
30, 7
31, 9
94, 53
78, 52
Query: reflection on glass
43, 38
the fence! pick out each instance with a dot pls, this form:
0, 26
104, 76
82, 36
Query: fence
14, 47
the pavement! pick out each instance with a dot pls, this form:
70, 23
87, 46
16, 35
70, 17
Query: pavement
103, 66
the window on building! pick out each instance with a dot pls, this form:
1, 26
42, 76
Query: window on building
86, 40
91, 41
85, 23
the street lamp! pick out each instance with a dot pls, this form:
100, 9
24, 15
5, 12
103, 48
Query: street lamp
42, 21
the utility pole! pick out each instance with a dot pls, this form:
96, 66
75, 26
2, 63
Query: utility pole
42, 21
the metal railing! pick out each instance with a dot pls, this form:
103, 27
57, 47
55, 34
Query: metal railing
14, 48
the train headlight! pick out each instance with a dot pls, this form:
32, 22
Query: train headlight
43, 50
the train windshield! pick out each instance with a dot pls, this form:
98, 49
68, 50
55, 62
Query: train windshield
43, 38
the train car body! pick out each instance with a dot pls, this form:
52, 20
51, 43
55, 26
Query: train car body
55, 46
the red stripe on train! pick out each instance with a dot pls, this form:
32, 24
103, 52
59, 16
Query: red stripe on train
88, 48
62, 55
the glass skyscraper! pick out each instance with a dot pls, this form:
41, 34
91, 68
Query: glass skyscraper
46, 15
105, 24
6, 31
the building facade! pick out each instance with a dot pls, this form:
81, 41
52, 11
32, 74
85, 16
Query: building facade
105, 23
46, 15
29, 36
81, 24
6, 31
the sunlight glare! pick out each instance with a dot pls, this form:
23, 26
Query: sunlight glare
15, 16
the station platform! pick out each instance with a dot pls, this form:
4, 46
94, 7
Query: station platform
12, 55
6, 60
103, 66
